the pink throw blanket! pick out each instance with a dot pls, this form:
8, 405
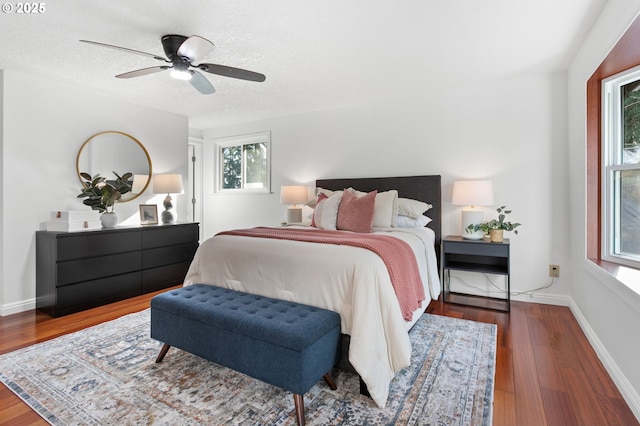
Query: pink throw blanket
396, 255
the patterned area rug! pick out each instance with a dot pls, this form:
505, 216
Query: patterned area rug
107, 375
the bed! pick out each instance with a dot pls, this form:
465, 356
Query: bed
350, 280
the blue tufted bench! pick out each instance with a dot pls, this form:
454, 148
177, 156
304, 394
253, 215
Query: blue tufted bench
282, 343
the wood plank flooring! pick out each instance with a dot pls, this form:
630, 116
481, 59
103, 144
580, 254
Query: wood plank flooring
547, 373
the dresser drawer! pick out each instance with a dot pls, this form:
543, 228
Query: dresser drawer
493, 249
98, 292
74, 271
168, 255
169, 235
100, 243
164, 276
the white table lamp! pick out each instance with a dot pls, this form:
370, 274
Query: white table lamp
472, 194
167, 184
294, 195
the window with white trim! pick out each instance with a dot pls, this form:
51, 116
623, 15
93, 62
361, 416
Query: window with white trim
621, 168
244, 163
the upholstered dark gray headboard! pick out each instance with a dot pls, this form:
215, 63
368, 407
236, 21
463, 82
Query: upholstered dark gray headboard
423, 188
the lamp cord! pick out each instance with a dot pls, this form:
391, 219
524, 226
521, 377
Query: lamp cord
500, 290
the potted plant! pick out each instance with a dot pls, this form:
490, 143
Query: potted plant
102, 195
495, 227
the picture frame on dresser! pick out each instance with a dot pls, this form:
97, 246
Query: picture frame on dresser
148, 214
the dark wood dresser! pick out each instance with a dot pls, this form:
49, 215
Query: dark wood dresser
81, 270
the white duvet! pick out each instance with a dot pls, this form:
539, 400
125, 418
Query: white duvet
351, 281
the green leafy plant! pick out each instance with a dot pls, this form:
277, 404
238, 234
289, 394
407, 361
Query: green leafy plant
102, 194
499, 223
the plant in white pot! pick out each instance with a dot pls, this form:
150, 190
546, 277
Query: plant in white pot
496, 227
101, 194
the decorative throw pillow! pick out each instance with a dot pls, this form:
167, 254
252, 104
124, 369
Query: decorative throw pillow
320, 191
412, 208
356, 214
410, 222
319, 197
386, 207
325, 214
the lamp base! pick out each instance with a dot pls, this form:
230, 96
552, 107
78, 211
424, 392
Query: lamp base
478, 235
166, 215
294, 215
472, 216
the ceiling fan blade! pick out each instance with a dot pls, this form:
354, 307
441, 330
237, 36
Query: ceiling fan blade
201, 83
195, 48
231, 72
137, 52
143, 71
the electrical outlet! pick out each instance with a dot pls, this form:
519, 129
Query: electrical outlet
554, 271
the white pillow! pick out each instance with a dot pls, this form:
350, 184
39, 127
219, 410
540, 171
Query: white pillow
319, 191
412, 222
386, 207
325, 215
324, 191
412, 208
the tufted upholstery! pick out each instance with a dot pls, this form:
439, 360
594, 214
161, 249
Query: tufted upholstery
283, 323
286, 344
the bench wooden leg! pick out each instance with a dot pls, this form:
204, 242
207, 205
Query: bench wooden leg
299, 401
162, 353
332, 385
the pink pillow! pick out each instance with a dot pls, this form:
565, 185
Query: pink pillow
356, 214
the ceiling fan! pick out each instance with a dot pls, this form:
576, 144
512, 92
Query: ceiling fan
183, 54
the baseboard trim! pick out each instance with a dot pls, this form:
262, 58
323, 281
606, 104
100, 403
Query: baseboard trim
545, 299
17, 307
626, 389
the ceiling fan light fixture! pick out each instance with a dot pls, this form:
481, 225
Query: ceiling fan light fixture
180, 52
183, 74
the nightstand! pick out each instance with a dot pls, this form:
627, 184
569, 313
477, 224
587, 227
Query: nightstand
480, 256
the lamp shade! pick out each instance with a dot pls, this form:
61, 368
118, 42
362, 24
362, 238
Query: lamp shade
293, 194
167, 184
472, 193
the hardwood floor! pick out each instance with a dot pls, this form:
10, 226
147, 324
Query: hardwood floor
547, 373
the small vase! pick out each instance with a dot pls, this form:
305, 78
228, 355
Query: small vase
495, 235
109, 219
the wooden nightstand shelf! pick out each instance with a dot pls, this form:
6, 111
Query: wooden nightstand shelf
475, 256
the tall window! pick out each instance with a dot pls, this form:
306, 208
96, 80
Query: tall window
244, 163
621, 168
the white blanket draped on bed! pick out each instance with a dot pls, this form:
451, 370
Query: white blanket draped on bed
351, 281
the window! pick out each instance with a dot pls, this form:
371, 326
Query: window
244, 163
621, 168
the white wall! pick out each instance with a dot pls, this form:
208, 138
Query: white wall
2, 245
608, 311
44, 125
512, 132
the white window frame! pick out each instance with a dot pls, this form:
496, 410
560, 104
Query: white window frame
248, 139
612, 163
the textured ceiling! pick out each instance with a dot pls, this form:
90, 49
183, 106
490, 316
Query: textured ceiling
316, 54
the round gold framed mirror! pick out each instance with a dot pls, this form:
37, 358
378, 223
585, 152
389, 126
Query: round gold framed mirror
114, 151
